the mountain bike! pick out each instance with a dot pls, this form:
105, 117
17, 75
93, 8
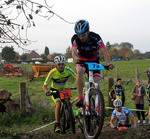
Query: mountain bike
93, 106
67, 117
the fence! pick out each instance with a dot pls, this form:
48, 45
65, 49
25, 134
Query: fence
125, 75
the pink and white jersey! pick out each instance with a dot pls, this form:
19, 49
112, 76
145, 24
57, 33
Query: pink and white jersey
88, 51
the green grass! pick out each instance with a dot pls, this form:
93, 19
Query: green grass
127, 69
17, 123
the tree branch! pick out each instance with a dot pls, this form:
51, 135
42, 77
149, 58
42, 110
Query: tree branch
10, 29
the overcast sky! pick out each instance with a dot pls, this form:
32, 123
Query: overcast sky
115, 21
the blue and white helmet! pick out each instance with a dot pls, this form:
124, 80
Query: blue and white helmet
60, 60
81, 26
117, 102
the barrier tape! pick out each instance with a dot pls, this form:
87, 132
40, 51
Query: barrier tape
41, 127
46, 125
128, 108
79, 109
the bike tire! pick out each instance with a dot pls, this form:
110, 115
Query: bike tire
63, 120
92, 122
67, 117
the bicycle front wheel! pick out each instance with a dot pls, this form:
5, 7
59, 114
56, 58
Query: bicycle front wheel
93, 119
67, 118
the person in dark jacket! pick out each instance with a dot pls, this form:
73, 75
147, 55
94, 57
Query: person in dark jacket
148, 74
139, 93
117, 92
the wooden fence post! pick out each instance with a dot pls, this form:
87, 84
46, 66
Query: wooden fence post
22, 97
110, 84
117, 73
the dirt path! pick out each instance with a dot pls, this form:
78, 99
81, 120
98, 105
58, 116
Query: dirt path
142, 131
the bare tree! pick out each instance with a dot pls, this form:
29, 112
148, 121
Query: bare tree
11, 10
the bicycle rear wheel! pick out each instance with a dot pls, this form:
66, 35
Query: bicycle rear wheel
94, 119
67, 117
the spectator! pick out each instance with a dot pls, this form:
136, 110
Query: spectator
148, 98
139, 93
117, 92
148, 74
123, 114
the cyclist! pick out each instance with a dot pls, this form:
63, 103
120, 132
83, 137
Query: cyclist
85, 47
148, 98
117, 92
59, 77
123, 114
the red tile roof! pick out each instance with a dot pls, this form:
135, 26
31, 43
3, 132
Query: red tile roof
31, 55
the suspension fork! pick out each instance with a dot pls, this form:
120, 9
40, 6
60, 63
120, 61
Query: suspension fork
88, 86
91, 80
97, 105
87, 100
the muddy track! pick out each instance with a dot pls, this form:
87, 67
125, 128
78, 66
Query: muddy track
142, 131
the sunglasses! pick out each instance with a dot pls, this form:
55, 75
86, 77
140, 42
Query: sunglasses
118, 107
60, 64
82, 35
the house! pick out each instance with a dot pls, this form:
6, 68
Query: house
33, 56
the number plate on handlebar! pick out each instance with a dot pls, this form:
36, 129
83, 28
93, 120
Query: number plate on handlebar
65, 94
94, 66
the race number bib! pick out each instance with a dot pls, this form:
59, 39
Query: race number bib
65, 94
94, 66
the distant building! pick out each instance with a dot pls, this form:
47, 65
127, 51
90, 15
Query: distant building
33, 56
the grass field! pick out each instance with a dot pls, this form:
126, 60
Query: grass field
17, 123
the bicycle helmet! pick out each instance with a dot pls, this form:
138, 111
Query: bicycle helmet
60, 59
117, 102
81, 26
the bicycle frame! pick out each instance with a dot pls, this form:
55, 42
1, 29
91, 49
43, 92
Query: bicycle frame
93, 106
88, 85
66, 107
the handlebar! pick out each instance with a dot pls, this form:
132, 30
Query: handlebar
51, 92
106, 67
73, 88
85, 64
